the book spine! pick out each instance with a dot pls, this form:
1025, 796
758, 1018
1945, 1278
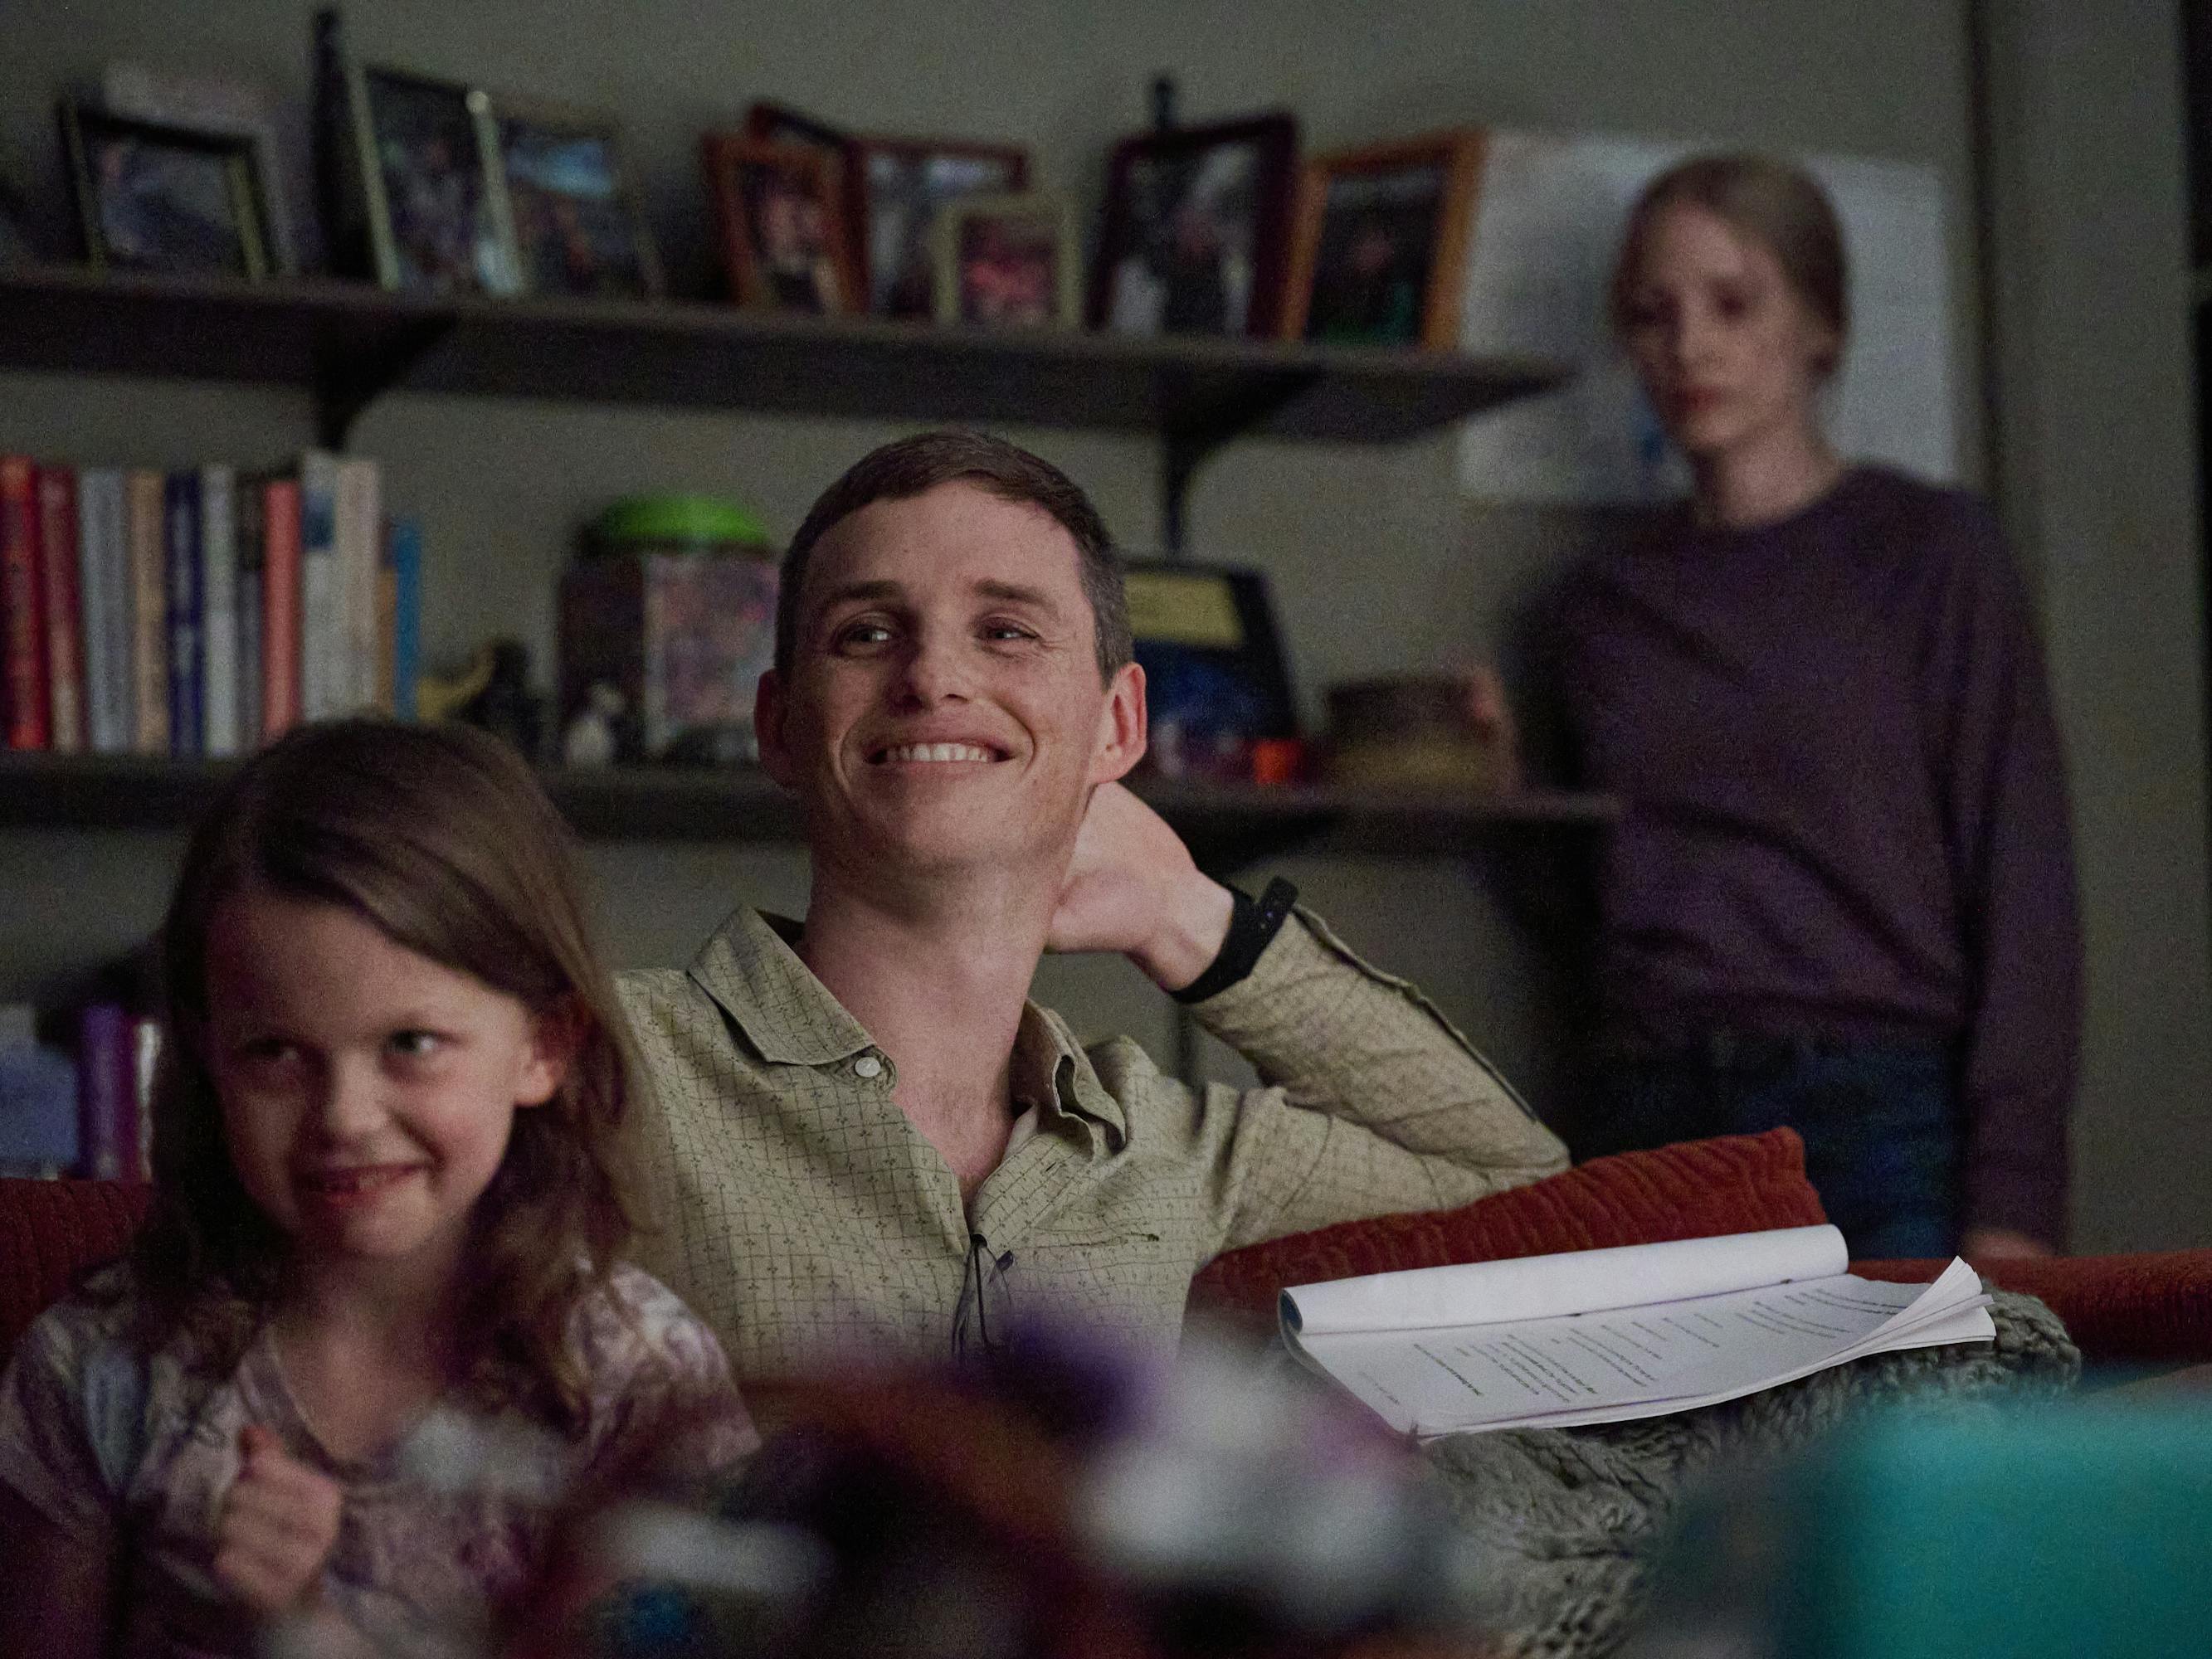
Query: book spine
281, 593
103, 562
149, 632
322, 615
360, 534
219, 609
22, 631
182, 554
106, 1106
58, 546
387, 625
248, 498
406, 554
100, 545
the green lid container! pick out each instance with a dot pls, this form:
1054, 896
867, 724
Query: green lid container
674, 524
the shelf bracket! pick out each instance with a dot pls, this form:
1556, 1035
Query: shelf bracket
1191, 441
349, 377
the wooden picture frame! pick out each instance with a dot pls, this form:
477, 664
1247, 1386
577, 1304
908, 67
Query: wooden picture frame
427, 170
903, 185
1380, 253
890, 232
761, 191
154, 196
572, 202
1034, 258
1197, 230
781, 124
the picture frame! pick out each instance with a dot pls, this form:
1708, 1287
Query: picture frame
1216, 682
1196, 236
1379, 256
781, 124
426, 172
157, 196
903, 184
780, 214
572, 203
216, 103
1007, 261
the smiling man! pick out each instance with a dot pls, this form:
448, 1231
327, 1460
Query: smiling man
864, 1138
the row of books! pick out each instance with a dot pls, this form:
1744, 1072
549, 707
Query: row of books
201, 611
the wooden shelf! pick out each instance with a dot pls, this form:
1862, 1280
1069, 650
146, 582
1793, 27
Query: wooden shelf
1226, 826
348, 343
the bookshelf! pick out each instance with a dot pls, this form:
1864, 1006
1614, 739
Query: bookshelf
1227, 826
347, 343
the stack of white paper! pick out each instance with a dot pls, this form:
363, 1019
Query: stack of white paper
1602, 1336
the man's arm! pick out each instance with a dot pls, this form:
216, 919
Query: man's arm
1374, 1103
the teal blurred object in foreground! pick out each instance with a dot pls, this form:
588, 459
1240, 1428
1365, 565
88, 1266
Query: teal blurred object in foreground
2068, 1532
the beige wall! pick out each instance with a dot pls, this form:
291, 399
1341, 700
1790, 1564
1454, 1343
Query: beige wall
1377, 561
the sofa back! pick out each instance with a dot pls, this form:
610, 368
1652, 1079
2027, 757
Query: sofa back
50, 1233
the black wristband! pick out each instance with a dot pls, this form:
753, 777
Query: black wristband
1252, 924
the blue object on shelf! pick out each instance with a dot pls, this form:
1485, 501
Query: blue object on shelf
38, 1110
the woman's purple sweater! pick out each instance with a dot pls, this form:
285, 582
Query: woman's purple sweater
1846, 804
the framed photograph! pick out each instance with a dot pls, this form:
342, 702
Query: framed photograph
216, 103
780, 210
153, 197
1382, 242
1007, 261
578, 226
429, 155
904, 182
1215, 682
1197, 231
780, 124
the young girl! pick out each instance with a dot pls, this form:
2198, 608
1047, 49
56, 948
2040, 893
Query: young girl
383, 1242
1843, 898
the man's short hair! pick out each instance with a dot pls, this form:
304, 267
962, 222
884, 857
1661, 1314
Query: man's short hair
913, 467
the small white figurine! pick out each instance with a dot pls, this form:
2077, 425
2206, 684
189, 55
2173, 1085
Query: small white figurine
590, 739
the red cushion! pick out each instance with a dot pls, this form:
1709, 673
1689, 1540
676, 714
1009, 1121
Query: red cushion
1694, 1189
50, 1231
2120, 1309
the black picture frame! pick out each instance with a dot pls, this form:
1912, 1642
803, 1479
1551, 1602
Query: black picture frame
1164, 265
1216, 681
159, 197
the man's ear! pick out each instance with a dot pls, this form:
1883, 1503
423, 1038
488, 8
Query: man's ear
556, 1037
1121, 726
769, 708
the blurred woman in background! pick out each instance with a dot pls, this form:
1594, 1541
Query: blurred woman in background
1843, 895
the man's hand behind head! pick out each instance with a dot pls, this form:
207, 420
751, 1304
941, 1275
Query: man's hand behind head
1131, 888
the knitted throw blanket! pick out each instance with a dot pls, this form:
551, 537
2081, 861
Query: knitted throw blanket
1570, 1517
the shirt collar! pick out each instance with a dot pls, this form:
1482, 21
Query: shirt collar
791, 1018
1051, 1071
788, 1016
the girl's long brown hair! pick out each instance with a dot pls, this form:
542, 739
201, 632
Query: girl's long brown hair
440, 837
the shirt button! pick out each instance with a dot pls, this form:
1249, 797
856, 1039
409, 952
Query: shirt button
868, 1066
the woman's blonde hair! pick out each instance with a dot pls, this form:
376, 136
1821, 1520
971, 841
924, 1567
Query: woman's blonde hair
440, 837
1779, 206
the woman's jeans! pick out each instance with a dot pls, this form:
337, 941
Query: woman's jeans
1879, 1123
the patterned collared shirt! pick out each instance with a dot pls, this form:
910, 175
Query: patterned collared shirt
796, 1208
